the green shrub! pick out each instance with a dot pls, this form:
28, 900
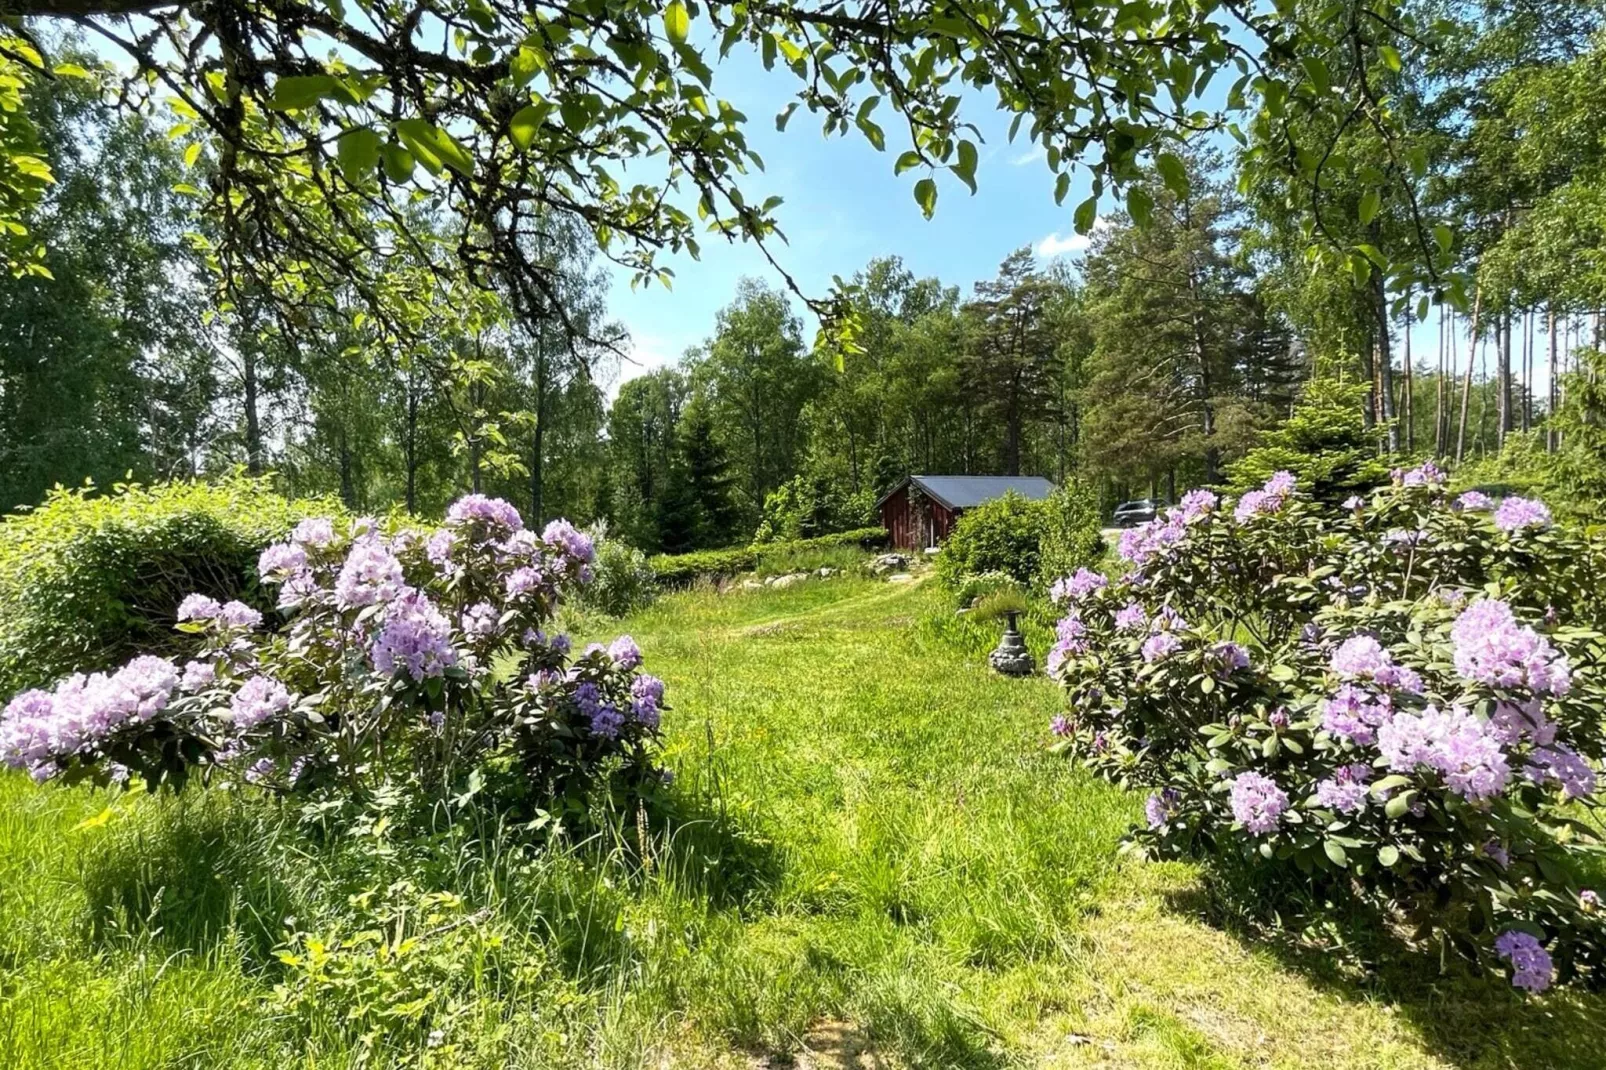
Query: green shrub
623, 580
1324, 443
89, 579
980, 585
1003, 535
1072, 536
682, 570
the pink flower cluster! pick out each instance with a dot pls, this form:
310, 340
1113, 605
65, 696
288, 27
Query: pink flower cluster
1492, 648
41, 729
1269, 499
1076, 587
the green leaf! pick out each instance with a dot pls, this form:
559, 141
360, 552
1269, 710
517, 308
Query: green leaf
926, 196
1389, 783
429, 142
398, 162
1086, 214
358, 152
526, 123
524, 66
297, 91
677, 23
1399, 804
965, 169
1062, 186
192, 154
1335, 853
1388, 854
1139, 205
1390, 56
1173, 172
1371, 203
906, 161
785, 115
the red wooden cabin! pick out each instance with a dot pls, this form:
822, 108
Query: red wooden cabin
921, 510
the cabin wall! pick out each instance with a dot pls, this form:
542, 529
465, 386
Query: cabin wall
903, 521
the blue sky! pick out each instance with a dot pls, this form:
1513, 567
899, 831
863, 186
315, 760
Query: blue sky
842, 207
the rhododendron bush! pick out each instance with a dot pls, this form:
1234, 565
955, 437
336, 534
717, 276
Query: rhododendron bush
1401, 702
407, 657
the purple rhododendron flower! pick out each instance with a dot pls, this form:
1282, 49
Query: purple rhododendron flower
564, 536
1268, 499
1131, 618
239, 615
1453, 742
1531, 966
1511, 722
1354, 713
1160, 645
1060, 725
281, 559
1346, 790
416, 637
1354, 503
371, 574
1589, 901
1563, 765
259, 698
522, 581
1231, 656
316, 531
1474, 501
1426, 475
493, 512
199, 607
480, 621
624, 652
1196, 504
1497, 852
1078, 586
1492, 648
1517, 514
1257, 802
198, 675
1156, 811
1070, 637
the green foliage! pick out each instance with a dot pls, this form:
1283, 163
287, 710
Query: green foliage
89, 579
682, 570
623, 582
808, 505
1346, 664
1000, 604
979, 585
1003, 535
1072, 534
1324, 443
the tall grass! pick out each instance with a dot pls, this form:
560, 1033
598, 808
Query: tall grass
865, 830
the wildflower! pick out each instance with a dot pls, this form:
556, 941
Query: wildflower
1531, 966
1517, 514
1492, 648
1257, 802
416, 637
259, 698
1474, 501
1231, 657
1060, 725
1346, 790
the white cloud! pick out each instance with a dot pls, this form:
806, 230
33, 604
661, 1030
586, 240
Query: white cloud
1031, 155
645, 353
1054, 245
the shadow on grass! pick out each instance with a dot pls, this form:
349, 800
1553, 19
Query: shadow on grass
190, 878
1467, 1019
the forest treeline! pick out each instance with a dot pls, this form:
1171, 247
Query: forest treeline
1148, 363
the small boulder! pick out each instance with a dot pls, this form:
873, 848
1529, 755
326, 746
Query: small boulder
888, 563
791, 580
752, 585
826, 572
899, 577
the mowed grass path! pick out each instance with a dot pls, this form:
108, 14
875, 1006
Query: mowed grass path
876, 854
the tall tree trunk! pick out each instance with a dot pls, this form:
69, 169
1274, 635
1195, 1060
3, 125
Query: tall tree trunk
1466, 386
410, 444
1408, 397
1503, 371
1385, 363
1441, 431
1552, 435
1527, 371
253, 420
1369, 369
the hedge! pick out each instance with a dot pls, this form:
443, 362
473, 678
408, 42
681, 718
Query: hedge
682, 570
88, 579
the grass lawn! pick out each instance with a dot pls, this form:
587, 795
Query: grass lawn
877, 864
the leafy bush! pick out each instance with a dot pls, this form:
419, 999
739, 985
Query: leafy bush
1398, 704
682, 570
979, 585
1072, 532
1002, 535
89, 579
413, 660
623, 581
807, 506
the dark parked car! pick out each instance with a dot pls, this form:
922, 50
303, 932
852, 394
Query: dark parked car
1131, 514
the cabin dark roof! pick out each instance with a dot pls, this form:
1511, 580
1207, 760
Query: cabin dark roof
963, 492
